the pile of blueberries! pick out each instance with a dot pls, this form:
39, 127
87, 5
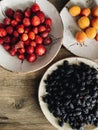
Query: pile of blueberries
72, 94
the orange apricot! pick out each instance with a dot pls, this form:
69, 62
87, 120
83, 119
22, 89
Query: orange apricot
83, 22
85, 12
80, 36
94, 23
75, 10
95, 11
90, 32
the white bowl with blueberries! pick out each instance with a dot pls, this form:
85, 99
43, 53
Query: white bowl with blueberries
68, 94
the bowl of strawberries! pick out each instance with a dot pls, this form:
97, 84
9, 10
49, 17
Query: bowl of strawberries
31, 34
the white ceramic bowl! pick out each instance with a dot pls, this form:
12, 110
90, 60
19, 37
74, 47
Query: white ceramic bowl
90, 49
42, 92
13, 63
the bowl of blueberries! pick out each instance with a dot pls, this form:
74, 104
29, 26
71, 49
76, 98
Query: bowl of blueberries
68, 94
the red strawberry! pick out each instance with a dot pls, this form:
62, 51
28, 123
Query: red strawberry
40, 50
12, 52
38, 39
48, 21
47, 41
27, 42
7, 39
24, 37
21, 56
33, 43
27, 12
20, 29
41, 15
21, 50
31, 35
20, 44
35, 7
30, 49
9, 12
3, 32
6, 47
44, 34
9, 29
26, 22
35, 30
48, 29
7, 21
35, 21
18, 16
31, 58
15, 34
14, 23
27, 29
41, 28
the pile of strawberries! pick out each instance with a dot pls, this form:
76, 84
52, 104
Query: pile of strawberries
26, 33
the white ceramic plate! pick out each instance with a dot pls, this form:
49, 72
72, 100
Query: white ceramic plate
13, 63
90, 49
42, 92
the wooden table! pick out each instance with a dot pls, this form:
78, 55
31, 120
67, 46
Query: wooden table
19, 107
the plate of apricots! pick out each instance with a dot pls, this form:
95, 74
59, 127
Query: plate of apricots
80, 20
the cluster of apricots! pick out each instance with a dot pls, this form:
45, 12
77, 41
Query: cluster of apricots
87, 21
